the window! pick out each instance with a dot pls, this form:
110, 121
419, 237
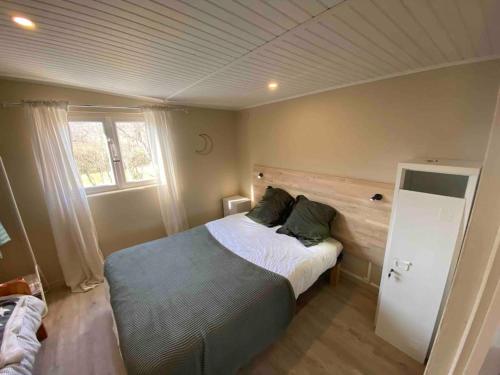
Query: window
135, 151
112, 152
90, 148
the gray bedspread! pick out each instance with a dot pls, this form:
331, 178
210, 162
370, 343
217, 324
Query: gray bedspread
187, 305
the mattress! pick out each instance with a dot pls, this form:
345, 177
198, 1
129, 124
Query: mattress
275, 252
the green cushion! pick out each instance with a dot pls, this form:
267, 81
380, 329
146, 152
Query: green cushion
309, 221
273, 209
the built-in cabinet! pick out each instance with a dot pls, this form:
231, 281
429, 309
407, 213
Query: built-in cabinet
431, 209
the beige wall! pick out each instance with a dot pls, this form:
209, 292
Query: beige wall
363, 131
478, 252
133, 216
123, 218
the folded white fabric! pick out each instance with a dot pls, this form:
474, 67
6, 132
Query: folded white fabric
19, 344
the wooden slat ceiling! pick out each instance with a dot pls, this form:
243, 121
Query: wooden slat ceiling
224, 53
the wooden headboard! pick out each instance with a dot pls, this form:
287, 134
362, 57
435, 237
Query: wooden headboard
361, 224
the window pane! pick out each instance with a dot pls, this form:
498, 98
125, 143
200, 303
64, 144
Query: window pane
90, 148
135, 151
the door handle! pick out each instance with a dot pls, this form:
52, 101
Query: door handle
403, 265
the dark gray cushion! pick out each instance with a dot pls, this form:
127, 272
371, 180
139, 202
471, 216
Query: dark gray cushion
274, 207
309, 221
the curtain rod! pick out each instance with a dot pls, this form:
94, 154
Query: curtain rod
16, 104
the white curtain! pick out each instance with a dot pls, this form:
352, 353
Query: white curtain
173, 213
72, 225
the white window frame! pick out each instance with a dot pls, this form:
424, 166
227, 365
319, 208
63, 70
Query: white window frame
109, 121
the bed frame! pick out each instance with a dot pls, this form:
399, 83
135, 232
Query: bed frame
361, 223
21, 287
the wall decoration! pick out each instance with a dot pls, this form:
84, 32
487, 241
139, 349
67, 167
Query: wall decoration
208, 144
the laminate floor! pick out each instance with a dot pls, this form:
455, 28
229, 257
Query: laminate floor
332, 333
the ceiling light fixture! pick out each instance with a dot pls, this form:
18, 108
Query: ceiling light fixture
272, 85
24, 22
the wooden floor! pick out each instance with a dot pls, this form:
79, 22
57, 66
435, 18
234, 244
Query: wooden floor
333, 333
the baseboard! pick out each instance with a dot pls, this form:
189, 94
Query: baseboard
55, 285
358, 280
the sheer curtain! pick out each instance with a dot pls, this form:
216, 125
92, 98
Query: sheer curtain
72, 225
172, 207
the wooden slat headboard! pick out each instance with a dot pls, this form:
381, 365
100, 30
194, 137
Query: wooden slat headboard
361, 225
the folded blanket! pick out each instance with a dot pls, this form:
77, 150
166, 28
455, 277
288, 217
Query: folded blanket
20, 318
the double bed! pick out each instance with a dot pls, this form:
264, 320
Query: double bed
207, 300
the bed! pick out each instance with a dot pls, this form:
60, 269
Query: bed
207, 300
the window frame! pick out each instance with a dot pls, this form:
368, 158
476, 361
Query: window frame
109, 121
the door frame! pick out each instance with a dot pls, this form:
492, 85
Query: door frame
490, 322
462, 340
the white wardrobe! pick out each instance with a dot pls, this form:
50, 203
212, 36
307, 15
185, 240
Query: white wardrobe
431, 208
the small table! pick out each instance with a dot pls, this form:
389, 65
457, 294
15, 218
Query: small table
236, 204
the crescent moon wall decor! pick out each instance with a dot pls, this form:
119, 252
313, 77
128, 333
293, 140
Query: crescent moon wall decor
208, 144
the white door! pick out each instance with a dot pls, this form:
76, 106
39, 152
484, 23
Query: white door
423, 240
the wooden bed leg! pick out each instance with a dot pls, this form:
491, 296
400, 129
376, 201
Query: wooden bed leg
41, 334
335, 275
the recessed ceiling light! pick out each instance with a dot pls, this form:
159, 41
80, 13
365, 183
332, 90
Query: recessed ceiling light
272, 85
24, 22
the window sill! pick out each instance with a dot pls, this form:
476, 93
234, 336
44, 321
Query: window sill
120, 190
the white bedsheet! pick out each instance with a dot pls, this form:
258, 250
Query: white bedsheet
275, 252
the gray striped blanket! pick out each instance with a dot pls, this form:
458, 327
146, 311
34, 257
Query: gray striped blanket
187, 305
